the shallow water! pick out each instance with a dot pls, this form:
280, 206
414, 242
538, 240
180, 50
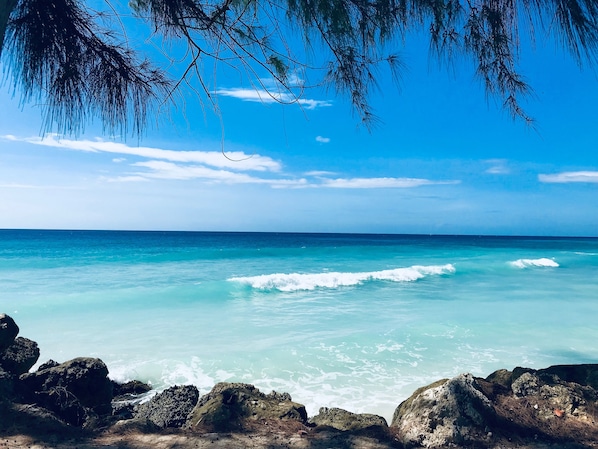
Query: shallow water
352, 321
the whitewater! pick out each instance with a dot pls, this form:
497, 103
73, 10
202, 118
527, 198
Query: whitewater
339, 320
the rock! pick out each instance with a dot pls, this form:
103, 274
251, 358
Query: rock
446, 413
86, 378
8, 331
584, 374
553, 396
129, 390
19, 357
64, 404
171, 408
343, 420
231, 406
49, 364
6, 385
527, 384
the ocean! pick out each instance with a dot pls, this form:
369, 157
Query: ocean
338, 320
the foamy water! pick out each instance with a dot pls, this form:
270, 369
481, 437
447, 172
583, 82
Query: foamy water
350, 321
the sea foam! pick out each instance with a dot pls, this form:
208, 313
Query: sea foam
298, 281
533, 263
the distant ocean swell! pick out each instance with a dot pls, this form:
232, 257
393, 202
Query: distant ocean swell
300, 281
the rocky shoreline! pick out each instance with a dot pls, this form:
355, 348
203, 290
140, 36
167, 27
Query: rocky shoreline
75, 404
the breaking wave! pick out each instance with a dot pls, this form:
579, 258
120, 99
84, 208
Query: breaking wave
298, 281
534, 263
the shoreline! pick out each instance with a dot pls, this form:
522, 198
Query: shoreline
75, 404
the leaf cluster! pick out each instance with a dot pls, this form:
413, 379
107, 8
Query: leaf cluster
58, 53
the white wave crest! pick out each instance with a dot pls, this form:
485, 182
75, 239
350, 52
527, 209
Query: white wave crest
533, 263
297, 281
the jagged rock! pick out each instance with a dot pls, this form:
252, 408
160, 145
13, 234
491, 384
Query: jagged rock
129, 390
551, 394
340, 419
448, 412
8, 331
6, 385
584, 374
64, 404
86, 378
171, 408
231, 406
527, 384
49, 364
19, 357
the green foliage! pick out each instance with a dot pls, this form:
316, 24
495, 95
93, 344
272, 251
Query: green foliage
57, 52
59, 57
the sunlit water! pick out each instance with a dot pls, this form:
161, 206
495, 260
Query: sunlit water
351, 321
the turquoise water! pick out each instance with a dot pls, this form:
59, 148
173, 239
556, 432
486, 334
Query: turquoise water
352, 321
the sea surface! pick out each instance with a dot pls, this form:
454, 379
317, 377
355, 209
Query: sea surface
339, 320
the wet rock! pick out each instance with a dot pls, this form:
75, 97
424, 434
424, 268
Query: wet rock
20, 356
343, 420
231, 406
171, 408
129, 389
446, 413
8, 331
86, 378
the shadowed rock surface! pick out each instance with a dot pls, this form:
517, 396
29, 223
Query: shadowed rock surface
340, 419
230, 406
8, 331
84, 377
171, 408
20, 356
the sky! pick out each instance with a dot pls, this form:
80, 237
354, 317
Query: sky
444, 159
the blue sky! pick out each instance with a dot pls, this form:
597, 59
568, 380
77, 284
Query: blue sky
444, 160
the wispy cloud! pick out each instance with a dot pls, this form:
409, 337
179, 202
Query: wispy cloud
381, 183
236, 160
571, 176
321, 139
498, 167
320, 173
212, 167
265, 96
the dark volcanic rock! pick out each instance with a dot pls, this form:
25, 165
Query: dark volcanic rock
129, 389
340, 419
6, 385
585, 374
19, 357
8, 331
86, 378
232, 406
171, 408
49, 364
64, 404
446, 413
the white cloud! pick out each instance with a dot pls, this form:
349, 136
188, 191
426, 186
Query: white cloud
323, 139
381, 183
498, 167
572, 176
235, 160
213, 167
265, 96
319, 173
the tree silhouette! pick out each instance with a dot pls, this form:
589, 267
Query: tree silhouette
56, 51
